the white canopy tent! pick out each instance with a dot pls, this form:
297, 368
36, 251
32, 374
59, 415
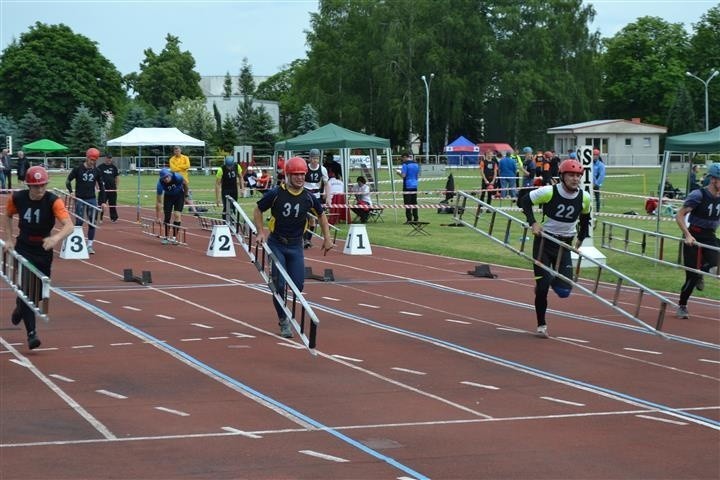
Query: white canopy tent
146, 137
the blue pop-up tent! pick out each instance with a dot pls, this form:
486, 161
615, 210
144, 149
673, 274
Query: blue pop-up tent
462, 152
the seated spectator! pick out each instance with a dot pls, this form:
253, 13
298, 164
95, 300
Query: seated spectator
250, 178
362, 199
264, 182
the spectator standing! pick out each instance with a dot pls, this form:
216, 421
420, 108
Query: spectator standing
410, 173
180, 163
598, 177
693, 183
289, 203
250, 179
702, 206
489, 172
508, 171
316, 182
170, 190
564, 204
86, 176
4, 166
279, 170
37, 211
21, 164
528, 166
362, 199
111, 181
228, 181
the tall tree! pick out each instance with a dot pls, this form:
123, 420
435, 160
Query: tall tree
704, 56
279, 87
84, 131
52, 70
681, 116
191, 117
8, 127
644, 63
30, 128
307, 120
168, 76
135, 115
228, 136
246, 82
227, 86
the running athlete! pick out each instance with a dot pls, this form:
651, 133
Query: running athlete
171, 188
703, 207
86, 176
289, 203
229, 180
564, 204
317, 183
37, 210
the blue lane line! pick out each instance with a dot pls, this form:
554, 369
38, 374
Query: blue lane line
663, 408
242, 386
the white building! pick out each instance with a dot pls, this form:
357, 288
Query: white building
213, 87
621, 142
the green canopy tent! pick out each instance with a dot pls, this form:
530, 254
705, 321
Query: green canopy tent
333, 136
696, 142
44, 145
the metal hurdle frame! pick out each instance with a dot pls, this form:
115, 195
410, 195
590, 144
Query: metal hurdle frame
264, 260
153, 228
522, 229
36, 292
71, 202
661, 239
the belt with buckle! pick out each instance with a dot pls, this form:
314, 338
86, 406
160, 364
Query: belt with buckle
286, 240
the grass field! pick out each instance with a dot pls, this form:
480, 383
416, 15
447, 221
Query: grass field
632, 185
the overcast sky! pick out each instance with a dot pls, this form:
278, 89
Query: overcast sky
219, 33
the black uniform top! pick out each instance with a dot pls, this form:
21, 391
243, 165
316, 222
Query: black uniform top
229, 178
36, 217
85, 180
289, 210
108, 174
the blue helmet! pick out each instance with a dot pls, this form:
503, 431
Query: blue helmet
165, 172
229, 161
714, 170
527, 150
572, 155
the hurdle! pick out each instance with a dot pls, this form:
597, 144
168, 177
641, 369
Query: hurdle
71, 204
635, 241
29, 284
296, 309
514, 233
333, 229
153, 228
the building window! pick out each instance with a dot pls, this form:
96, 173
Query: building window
601, 143
647, 142
628, 142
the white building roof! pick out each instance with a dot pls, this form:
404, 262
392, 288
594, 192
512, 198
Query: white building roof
608, 126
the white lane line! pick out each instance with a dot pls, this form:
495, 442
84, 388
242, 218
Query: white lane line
99, 300
82, 346
166, 317
60, 377
201, 325
572, 339
242, 335
134, 309
323, 456
407, 370
296, 346
97, 425
708, 360
174, 412
514, 330
666, 420
368, 305
331, 299
458, 321
19, 362
121, 344
111, 394
652, 352
349, 359
190, 339
412, 314
564, 402
240, 432
218, 338
480, 385
45, 349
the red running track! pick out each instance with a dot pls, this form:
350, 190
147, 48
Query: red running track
423, 371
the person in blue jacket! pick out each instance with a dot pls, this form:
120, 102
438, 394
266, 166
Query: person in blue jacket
171, 191
410, 173
598, 177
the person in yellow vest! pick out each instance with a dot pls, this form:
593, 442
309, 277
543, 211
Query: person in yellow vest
179, 163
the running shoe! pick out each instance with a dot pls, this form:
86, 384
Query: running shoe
33, 341
682, 312
91, 251
700, 285
542, 331
285, 330
165, 241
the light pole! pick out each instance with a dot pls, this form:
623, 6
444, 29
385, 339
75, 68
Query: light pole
713, 73
427, 116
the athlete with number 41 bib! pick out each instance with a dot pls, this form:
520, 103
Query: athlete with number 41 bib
289, 203
564, 204
37, 210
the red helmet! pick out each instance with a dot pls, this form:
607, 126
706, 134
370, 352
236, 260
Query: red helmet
571, 166
36, 175
92, 153
596, 151
296, 165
